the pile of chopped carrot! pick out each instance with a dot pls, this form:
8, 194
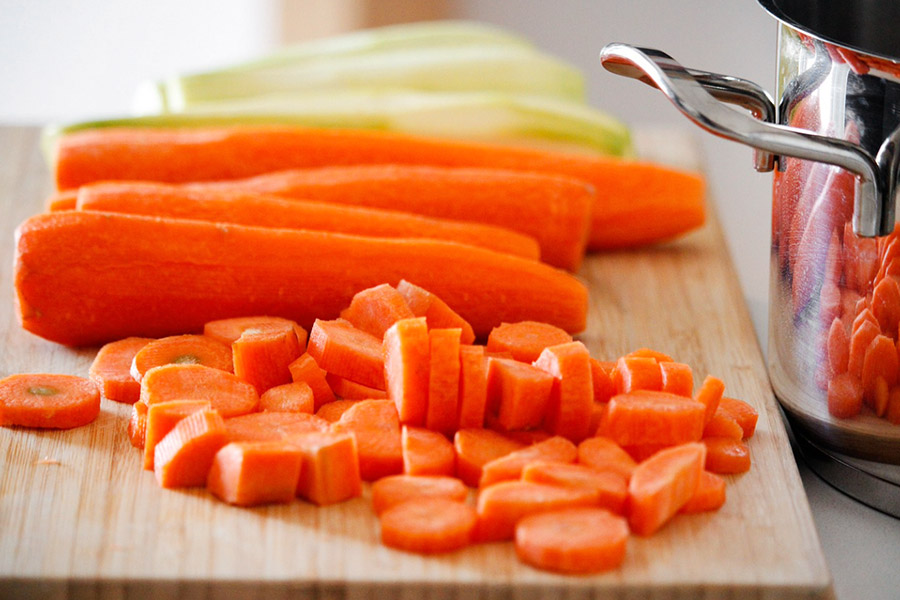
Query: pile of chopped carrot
525, 438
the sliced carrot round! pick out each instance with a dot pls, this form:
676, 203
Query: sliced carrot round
392, 490
49, 401
576, 540
428, 526
182, 350
228, 331
525, 340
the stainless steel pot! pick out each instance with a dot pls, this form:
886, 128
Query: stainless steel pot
831, 138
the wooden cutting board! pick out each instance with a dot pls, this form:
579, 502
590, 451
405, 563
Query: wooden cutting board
79, 518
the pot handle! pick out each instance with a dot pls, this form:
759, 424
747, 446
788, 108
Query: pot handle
871, 215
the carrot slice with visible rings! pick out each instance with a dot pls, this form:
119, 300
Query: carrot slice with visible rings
330, 471
229, 330
426, 452
290, 397
111, 369
254, 473
224, 391
611, 487
181, 350
726, 456
396, 489
428, 526
575, 540
375, 309
48, 401
525, 340
662, 484
340, 348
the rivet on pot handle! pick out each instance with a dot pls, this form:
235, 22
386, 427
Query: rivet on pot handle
873, 212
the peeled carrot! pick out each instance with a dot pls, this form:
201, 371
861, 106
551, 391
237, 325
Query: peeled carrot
377, 429
602, 377
228, 331
249, 208
677, 378
428, 525
509, 466
611, 487
574, 540
710, 495
375, 309
330, 467
306, 370
477, 447
48, 401
651, 417
437, 313
473, 377
289, 397
185, 455
350, 390
525, 340
224, 391
332, 411
396, 489
181, 350
726, 455
662, 484
604, 454
271, 426
111, 369
740, 411
340, 348
709, 395
442, 412
572, 396
636, 202
262, 356
253, 473
845, 396
518, 393
407, 368
637, 373
162, 418
63, 200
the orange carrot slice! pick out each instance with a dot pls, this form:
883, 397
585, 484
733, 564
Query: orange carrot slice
350, 390
710, 495
162, 418
650, 353
377, 429
407, 368
137, 424
518, 393
306, 370
723, 425
262, 355
880, 360
604, 454
181, 350
290, 397
437, 312
473, 381
726, 456
390, 491
111, 369
525, 340
677, 378
330, 467
838, 348
272, 426
740, 411
845, 396
442, 413
652, 417
48, 401
604, 383
859, 343
229, 330
477, 447
254, 473
185, 455
662, 484
427, 452
224, 391
610, 487
574, 540
509, 466
572, 396
886, 304
709, 395
340, 348
637, 373
428, 526
375, 309
332, 411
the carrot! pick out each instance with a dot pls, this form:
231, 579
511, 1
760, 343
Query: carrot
726, 455
111, 370
598, 413
376, 425
375, 309
63, 200
845, 396
677, 378
509, 466
723, 425
881, 397
572, 396
886, 304
350, 390
390, 491
426, 452
442, 412
602, 377
289, 397
740, 411
271, 426
262, 356
181, 350
709, 395
574, 540
340, 348
249, 208
710, 495
332, 411
48, 401
228, 395
610, 487
880, 360
636, 202
662, 484
191, 272
477, 447
137, 424
254, 473
185, 455
641, 452
428, 525
518, 393
650, 353
504, 504
859, 343
162, 418
228, 331
473, 378
650, 417
892, 411
330, 467
407, 368
604, 454
437, 313
525, 340
529, 437
862, 316
838, 345
637, 373
306, 370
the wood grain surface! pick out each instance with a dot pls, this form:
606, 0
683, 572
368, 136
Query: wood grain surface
80, 519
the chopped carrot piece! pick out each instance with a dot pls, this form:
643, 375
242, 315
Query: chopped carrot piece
740, 411
726, 455
637, 373
574, 540
427, 452
881, 396
518, 393
503, 505
880, 360
604, 383
723, 425
845, 396
442, 412
350, 390
652, 417
396, 489
229, 330
377, 429
864, 315
224, 391
330, 467
48, 401
662, 484
859, 343
342, 349
271, 426
710, 494
651, 353
572, 396
375, 309
137, 424
611, 487
677, 378
641, 452
306, 370
63, 200
332, 411
598, 413
254, 473
509, 466
477, 447
838, 348
289, 397
407, 367
181, 350
438, 314
886, 304
529, 437
428, 525
709, 395
162, 418
185, 455
525, 340
604, 454
262, 355
473, 381
111, 369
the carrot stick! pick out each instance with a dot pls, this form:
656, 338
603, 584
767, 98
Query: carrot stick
191, 272
574, 540
437, 312
407, 368
649, 417
477, 447
376, 425
709, 395
228, 331
111, 370
845, 396
710, 495
271, 426
181, 350
473, 377
427, 452
677, 378
289, 397
396, 489
340, 348
509, 466
162, 418
611, 487
572, 396
332, 411
248, 208
662, 484
224, 391
604, 382
137, 424
350, 390
48, 401
305, 370
254, 473
637, 373
330, 467
442, 412
518, 393
428, 526
740, 411
726, 455
185, 455
262, 355
636, 202
525, 340
375, 309
603, 454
